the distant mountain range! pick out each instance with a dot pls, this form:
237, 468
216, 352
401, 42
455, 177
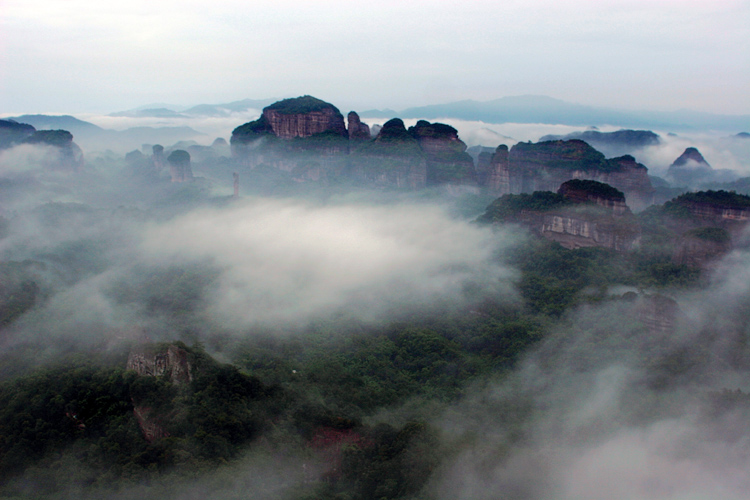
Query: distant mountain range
202, 110
93, 137
543, 109
517, 109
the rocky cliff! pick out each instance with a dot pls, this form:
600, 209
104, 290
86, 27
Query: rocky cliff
358, 131
697, 228
69, 156
447, 159
179, 166
614, 143
690, 169
170, 362
702, 247
543, 166
658, 313
725, 209
303, 117
582, 213
161, 361
12, 133
393, 159
65, 154
303, 137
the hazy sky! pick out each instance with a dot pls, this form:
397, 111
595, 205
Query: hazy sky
85, 56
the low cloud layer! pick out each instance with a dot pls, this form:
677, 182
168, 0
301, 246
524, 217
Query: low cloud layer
607, 408
260, 263
283, 262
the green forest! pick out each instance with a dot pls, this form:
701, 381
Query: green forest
338, 406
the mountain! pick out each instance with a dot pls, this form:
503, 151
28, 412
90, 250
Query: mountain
173, 111
616, 143
92, 137
543, 109
65, 122
230, 107
150, 113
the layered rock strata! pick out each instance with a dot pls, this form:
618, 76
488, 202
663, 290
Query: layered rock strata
543, 166
582, 213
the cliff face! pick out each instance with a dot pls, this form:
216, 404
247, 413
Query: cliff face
702, 247
498, 173
358, 131
304, 124
12, 133
577, 230
393, 159
171, 362
544, 166
179, 166
303, 117
583, 213
631, 178
658, 312
447, 159
67, 154
724, 209
612, 143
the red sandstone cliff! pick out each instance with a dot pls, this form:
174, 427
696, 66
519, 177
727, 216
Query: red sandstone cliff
544, 166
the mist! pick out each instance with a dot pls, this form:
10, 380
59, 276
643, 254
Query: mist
606, 407
257, 263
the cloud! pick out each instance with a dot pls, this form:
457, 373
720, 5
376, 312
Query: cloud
286, 262
606, 408
259, 263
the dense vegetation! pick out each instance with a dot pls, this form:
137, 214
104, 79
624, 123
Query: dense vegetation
714, 234
423, 128
721, 198
569, 155
348, 406
59, 138
595, 188
251, 131
300, 105
510, 205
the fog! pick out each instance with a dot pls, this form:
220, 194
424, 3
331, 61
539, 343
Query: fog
603, 407
255, 262
606, 408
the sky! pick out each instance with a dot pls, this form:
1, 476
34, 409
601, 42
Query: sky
74, 56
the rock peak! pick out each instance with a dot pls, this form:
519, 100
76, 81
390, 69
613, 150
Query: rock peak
690, 154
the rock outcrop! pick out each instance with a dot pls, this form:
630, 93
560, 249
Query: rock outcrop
69, 156
700, 227
303, 117
658, 313
358, 131
690, 169
612, 143
725, 209
543, 166
393, 159
179, 166
169, 361
12, 133
151, 360
304, 137
447, 159
583, 213
702, 247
